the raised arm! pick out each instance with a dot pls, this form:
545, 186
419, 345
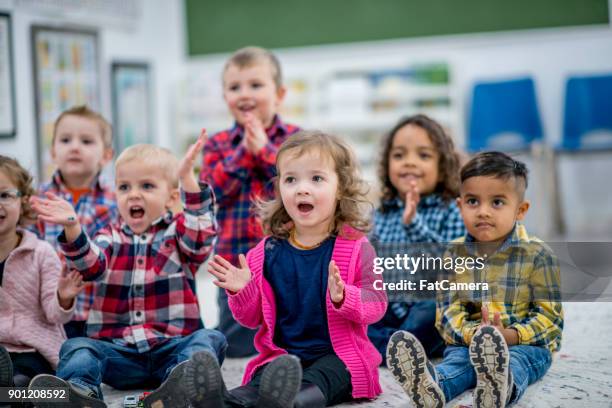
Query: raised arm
196, 227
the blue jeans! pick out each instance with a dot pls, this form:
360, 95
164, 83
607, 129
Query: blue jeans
456, 373
420, 321
90, 362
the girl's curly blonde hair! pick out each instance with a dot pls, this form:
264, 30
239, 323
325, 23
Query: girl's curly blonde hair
22, 179
352, 209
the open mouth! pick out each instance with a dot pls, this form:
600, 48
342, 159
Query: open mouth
305, 207
246, 107
137, 212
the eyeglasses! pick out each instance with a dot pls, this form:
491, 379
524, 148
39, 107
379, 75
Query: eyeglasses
9, 196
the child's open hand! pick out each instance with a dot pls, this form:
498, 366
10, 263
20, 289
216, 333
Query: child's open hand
185, 170
510, 335
55, 210
255, 137
335, 284
228, 276
68, 286
486, 321
412, 201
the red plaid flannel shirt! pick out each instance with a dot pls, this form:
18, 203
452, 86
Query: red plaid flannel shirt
145, 284
238, 177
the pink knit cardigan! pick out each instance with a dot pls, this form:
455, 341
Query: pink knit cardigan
31, 317
255, 306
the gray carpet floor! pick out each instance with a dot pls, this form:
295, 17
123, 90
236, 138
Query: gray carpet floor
580, 376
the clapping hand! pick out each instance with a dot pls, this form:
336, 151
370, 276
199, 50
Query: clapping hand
255, 137
68, 287
335, 284
412, 201
228, 276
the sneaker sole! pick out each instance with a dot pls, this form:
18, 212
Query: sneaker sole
407, 362
280, 383
490, 357
203, 382
6, 368
75, 400
169, 393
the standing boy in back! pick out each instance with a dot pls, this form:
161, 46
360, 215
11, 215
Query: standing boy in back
239, 163
81, 146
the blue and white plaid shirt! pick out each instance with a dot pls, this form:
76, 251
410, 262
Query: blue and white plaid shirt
96, 210
436, 221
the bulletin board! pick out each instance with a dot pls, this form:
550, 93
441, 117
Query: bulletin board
65, 73
215, 26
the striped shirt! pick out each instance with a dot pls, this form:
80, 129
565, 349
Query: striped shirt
238, 177
524, 285
96, 210
145, 285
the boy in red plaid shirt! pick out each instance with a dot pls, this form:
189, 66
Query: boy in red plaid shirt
239, 164
144, 324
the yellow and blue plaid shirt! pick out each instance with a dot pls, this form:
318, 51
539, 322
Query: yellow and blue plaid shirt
524, 286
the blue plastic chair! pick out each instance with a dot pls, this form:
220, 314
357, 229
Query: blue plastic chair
504, 116
587, 121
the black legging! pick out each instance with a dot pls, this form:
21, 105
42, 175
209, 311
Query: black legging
30, 364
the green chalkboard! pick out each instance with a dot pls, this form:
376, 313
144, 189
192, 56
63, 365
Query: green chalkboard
225, 25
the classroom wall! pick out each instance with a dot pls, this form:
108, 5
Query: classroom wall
549, 56
157, 38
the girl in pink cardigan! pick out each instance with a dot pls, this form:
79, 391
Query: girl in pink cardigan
34, 300
307, 287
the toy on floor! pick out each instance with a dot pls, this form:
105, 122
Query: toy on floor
134, 401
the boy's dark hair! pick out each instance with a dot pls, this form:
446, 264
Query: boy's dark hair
498, 165
248, 56
448, 166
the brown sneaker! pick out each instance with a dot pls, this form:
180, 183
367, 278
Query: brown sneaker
203, 383
78, 395
280, 383
170, 393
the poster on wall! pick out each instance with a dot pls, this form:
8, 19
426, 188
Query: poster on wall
8, 120
66, 74
131, 104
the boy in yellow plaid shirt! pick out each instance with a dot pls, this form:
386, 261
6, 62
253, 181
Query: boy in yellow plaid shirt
500, 340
